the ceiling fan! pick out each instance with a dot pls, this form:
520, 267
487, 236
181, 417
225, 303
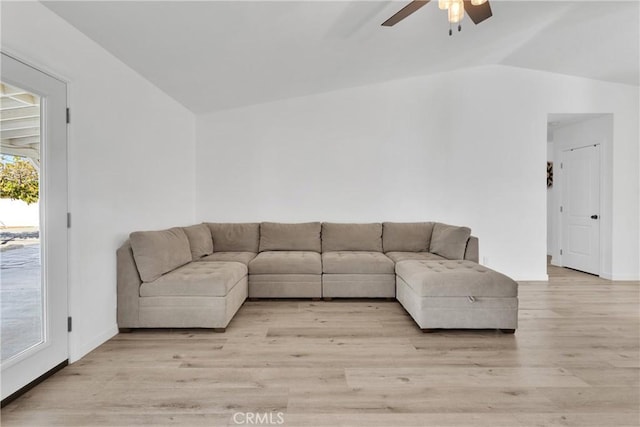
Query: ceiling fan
478, 11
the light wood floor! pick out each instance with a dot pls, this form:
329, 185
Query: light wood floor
574, 361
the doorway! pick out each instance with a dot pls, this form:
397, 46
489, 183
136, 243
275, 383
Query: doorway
33, 229
577, 220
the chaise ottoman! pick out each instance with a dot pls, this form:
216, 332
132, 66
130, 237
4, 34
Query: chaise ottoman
457, 294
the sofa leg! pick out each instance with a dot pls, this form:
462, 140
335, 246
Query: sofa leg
219, 330
428, 331
328, 298
124, 330
508, 331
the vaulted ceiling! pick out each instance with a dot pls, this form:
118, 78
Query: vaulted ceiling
213, 55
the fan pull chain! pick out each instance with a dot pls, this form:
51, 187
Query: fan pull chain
451, 30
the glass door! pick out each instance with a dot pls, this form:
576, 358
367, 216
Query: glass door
33, 229
21, 320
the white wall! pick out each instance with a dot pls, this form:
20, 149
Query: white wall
466, 147
131, 156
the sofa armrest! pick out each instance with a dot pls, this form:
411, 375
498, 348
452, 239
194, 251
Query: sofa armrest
128, 287
471, 253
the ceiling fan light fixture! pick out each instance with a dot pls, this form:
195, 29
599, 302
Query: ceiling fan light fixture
456, 11
478, 11
444, 4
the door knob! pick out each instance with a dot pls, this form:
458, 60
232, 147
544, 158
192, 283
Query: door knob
594, 216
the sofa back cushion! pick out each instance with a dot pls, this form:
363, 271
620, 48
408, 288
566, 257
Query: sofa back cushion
406, 236
449, 241
351, 237
158, 252
200, 240
276, 236
235, 237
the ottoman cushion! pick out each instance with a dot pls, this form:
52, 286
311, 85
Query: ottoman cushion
455, 278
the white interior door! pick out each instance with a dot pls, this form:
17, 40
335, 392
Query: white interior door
581, 209
33, 278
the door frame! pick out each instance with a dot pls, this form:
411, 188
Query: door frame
603, 137
61, 233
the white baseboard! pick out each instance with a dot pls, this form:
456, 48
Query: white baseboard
533, 278
619, 277
79, 352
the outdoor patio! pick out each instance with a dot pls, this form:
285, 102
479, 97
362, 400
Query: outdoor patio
20, 295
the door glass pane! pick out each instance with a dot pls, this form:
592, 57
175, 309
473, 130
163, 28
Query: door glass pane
21, 287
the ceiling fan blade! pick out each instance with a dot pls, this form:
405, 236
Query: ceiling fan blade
404, 12
478, 13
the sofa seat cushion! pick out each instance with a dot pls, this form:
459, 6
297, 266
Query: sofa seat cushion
286, 262
243, 257
205, 279
419, 256
356, 262
455, 278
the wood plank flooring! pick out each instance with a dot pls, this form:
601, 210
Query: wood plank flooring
574, 361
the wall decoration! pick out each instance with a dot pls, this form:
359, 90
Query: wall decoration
549, 174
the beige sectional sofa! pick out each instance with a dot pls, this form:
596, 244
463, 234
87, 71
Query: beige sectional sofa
199, 276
